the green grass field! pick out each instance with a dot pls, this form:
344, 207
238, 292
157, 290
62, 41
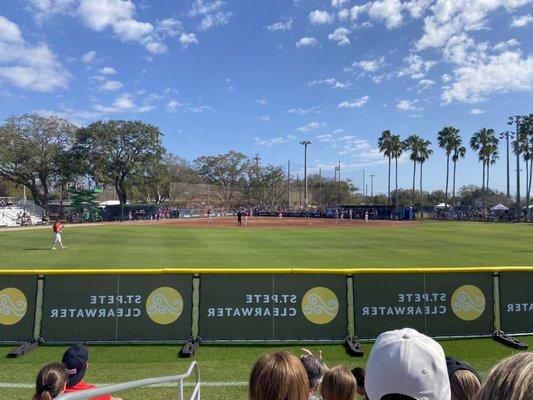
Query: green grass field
426, 244
228, 365
156, 246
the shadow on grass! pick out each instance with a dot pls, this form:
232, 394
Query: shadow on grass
38, 249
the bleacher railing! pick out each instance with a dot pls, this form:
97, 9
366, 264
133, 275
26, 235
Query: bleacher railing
193, 369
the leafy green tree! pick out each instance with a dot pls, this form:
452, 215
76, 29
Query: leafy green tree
423, 154
225, 171
396, 146
485, 143
413, 143
385, 147
119, 153
32, 153
446, 139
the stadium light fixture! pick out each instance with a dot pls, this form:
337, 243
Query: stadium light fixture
517, 119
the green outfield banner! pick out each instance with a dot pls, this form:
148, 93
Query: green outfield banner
436, 304
17, 307
516, 302
117, 308
273, 307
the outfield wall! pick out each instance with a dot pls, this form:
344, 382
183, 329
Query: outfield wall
261, 305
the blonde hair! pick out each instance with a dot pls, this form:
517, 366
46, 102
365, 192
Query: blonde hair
338, 384
511, 379
50, 382
278, 376
464, 385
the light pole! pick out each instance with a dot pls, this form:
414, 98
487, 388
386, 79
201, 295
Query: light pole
305, 143
372, 189
517, 119
507, 135
170, 184
364, 186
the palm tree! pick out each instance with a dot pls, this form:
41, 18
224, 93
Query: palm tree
525, 139
491, 156
384, 145
396, 152
485, 143
446, 139
413, 143
458, 152
423, 154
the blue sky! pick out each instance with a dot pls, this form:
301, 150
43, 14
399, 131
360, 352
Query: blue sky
260, 76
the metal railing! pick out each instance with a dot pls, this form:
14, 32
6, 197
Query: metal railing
120, 387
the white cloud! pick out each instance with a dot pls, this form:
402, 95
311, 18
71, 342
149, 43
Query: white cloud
307, 42
285, 25
261, 101
32, 67
107, 71
389, 11
200, 109
357, 103
43, 9
501, 73
520, 22
407, 105
446, 78
123, 103
501, 46
320, 17
353, 13
338, 3
200, 7
100, 14
187, 39
369, 65
476, 111
89, 57
302, 111
273, 141
426, 83
111, 86
340, 35
311, 126
173, 106
416, 67
325, 138
214, 20
331, 82
265, 118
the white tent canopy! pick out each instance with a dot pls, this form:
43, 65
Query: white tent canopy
443, 205
499, 207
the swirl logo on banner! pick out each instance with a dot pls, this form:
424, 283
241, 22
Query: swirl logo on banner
320, 305
164, 305
13, 306
468, 302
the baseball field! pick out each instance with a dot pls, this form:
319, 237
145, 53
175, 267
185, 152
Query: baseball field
263, 242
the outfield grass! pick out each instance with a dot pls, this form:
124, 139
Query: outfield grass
111, 364
152, 246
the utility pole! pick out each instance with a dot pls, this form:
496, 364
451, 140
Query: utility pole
305, 144
507, 135
364, 194
170, 182
289, 183
372, 189
340, 183
517, 119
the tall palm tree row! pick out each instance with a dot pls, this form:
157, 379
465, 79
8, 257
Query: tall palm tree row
447, 139
458, 152
485, 143
384, 145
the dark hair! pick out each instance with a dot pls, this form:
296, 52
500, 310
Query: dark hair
315, 369
359, 374
50, 382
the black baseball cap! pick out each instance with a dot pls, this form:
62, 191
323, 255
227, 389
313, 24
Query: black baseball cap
75, 361
455, 365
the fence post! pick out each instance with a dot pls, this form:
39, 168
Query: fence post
195, 305
38, 307
496, 299
349, 302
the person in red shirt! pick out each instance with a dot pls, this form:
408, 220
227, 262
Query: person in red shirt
76, 361
57, 228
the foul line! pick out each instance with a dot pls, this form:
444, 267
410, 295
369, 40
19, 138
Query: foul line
9, 385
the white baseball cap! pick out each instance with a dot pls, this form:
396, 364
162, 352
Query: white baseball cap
407, 362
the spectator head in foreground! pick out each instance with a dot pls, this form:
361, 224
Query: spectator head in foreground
511, 379
50, 382
405, 364
464, 380
75, 360
338, 384
359, 374
278, 376
314, 367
